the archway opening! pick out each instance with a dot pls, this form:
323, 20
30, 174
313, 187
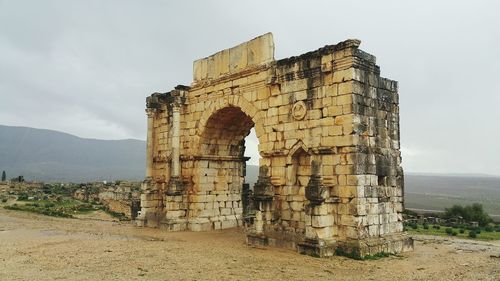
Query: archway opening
222, 167
252, 164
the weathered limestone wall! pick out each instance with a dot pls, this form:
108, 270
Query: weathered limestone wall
122, 198
328, 130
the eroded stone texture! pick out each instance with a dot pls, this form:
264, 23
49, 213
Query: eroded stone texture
328, 130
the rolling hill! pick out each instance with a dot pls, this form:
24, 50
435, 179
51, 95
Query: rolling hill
51, 156
47, 155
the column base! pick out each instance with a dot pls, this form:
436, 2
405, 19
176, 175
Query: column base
174, 225
389, 244
140, 222
355, 249
257, 240
317, 248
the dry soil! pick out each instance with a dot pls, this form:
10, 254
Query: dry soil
36, 247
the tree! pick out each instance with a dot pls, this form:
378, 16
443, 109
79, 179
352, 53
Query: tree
4, 176
469, 213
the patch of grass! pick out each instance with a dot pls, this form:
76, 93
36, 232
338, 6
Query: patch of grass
356, 256
456, 232
65, 208
120, 216
377, 256
352, 254
43, 211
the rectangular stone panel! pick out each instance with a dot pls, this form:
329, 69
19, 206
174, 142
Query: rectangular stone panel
255, 52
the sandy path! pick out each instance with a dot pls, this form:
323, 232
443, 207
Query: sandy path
35, 247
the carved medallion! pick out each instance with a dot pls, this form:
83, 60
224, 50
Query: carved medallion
299, 110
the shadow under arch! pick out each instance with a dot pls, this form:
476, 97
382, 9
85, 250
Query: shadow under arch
247, 108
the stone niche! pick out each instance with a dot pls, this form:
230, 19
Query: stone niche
330, 178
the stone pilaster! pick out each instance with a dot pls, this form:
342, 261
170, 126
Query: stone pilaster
150, 144
315, 191
319, 220
175, 186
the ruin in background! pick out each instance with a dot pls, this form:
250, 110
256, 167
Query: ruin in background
330, 175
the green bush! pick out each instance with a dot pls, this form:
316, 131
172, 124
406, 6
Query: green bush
448, 230
22, 197
49, 205
488, 228
414, 226
462, 230
470, 213
472, 234
436, 226
454, 233
4, 200
426, 225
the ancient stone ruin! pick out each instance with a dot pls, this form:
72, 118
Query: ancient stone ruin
330, 178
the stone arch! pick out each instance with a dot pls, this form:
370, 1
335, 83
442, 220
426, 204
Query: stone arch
224, 132
233, 101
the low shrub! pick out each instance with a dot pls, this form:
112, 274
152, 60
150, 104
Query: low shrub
22, 197
462, 230
352, 254
472, 234
454, 233
426, 226
376, 256
449, 230
488, 228
49, 205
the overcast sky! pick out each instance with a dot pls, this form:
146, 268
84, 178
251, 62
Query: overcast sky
85, 67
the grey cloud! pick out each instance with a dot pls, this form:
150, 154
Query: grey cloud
85, 67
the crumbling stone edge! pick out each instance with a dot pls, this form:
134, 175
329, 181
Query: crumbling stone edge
355, 249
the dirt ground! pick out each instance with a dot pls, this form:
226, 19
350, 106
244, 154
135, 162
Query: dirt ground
36, 247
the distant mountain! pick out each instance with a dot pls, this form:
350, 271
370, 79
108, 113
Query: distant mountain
467, 175
47, 155
434, 192
252, 174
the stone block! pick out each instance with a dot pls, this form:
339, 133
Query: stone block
296, 206
229, 223
320, 210
197, 227
322, 221
225, 211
